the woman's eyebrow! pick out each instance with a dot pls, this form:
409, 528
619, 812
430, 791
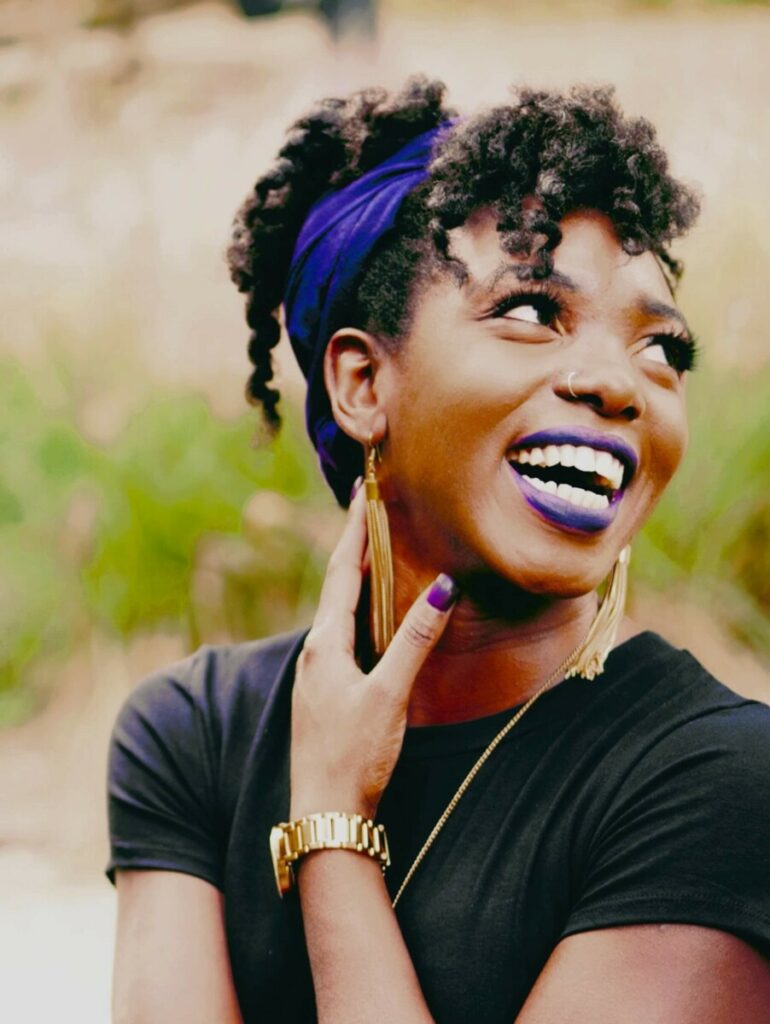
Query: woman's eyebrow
662, 311
523, 272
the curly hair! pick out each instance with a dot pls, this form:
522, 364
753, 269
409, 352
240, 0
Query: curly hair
573, 150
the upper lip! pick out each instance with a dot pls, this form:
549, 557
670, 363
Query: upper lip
586, 436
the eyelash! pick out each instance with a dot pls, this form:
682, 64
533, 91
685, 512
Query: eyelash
682, 350
543, 298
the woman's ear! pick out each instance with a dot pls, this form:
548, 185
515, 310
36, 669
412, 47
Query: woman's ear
352, 363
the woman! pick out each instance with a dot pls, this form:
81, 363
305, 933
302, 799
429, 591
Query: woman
484, 312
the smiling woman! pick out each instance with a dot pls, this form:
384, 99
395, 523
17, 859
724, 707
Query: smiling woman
484, 311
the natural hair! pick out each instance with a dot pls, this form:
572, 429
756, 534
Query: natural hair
570, 151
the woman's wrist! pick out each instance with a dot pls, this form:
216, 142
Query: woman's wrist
305, 803
346, 860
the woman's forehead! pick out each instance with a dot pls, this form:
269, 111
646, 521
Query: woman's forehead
589, 260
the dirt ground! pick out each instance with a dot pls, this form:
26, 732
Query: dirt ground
58, 909
176, 131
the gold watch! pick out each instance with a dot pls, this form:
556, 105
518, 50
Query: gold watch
330, 830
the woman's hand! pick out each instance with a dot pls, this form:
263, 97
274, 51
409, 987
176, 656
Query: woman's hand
348, 727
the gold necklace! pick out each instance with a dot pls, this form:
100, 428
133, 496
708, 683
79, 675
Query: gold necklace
477, 768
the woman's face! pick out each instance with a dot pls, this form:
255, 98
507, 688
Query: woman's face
478, 400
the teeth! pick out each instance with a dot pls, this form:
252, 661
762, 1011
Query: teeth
593, 500
581, 457
609, 467
567, 452
585, 498
551, 455
536, 457
584, 459
604, 463
574, 495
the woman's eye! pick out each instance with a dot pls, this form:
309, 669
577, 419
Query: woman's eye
539, 308
671, 350
656, 352
526, 311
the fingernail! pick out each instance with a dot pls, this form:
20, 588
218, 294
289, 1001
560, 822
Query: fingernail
444, 592
356, 485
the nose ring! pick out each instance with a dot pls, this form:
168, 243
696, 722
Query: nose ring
570, 375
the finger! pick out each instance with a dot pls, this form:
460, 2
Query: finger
342, 584
416, 637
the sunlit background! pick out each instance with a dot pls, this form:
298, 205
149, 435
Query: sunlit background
137, 518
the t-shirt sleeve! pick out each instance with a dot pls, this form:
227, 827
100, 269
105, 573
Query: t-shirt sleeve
161, 784
687, 836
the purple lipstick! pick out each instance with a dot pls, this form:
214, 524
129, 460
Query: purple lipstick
573, 477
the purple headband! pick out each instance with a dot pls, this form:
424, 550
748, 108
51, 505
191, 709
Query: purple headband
335, 242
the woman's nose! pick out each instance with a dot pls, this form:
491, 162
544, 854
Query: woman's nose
608, 386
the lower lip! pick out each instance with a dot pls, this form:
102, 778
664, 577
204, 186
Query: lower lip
563, 513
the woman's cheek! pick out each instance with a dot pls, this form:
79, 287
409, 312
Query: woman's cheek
671, 440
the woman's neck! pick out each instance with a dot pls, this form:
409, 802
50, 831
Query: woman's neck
485, 663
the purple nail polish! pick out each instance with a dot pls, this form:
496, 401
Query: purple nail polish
444, 592
356, 484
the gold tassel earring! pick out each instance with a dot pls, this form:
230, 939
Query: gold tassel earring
601, 636
381, 557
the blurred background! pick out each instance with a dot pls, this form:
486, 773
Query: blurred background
138, 517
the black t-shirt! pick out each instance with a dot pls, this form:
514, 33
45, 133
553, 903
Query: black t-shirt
640, 797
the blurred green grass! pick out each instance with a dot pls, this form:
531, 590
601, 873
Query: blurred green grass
110, 536
179, 523
127, 506
706, 542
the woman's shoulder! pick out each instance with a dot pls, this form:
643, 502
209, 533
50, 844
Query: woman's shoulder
688, 716
178, 750
672, 674
215, 684
681, 830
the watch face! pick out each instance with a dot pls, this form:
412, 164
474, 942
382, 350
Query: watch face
281, 868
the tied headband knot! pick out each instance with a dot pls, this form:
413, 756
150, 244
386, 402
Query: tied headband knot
336, 240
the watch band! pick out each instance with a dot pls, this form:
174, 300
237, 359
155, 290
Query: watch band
329, 830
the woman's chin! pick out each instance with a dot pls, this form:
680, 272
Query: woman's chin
516, 584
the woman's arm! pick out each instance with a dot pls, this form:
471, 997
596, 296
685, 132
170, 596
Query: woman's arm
677, 973
361, 967
171, 960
